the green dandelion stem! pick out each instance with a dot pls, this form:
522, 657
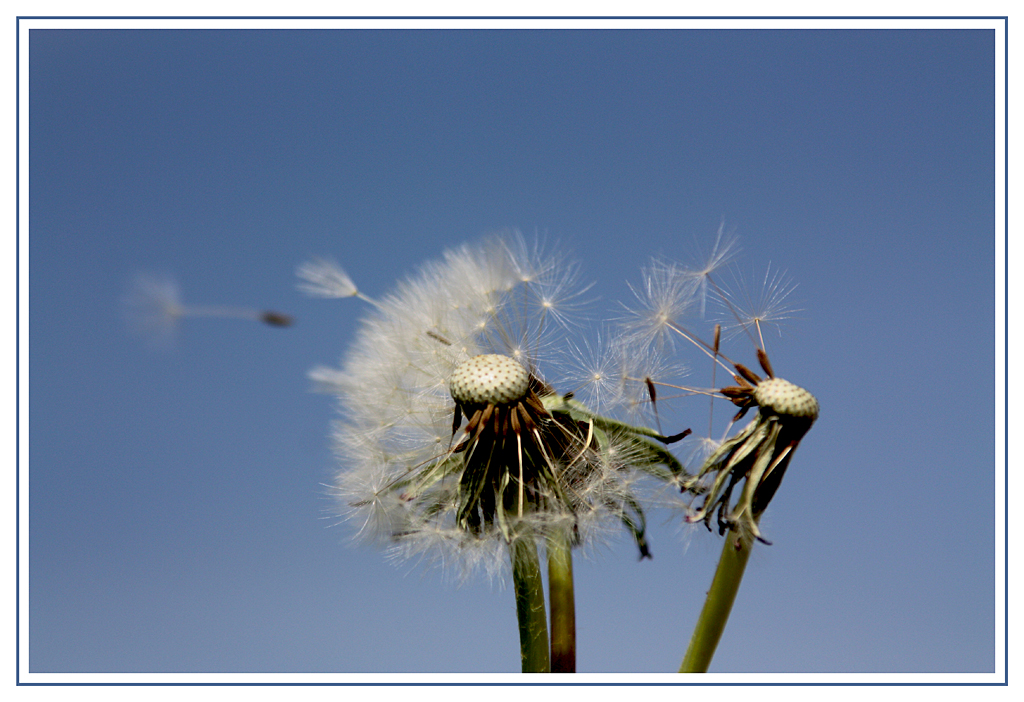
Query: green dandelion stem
715, 614
533, 627
563, 605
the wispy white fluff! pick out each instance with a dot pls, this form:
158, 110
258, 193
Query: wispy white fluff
325, 278
499, 295
152, 307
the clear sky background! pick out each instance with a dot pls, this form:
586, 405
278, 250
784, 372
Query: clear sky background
178, 519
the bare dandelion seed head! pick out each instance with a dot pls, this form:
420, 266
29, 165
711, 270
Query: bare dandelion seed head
784, 398
490, 378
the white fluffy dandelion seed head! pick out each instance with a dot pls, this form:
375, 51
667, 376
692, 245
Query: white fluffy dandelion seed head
489, 379
470, 327
784, 398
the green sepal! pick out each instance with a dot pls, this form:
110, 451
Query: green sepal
640, 443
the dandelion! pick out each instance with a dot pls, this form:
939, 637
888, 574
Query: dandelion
455, 443
153, 309
756, 456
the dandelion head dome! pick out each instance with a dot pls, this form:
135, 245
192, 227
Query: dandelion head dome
786, 399
489, 379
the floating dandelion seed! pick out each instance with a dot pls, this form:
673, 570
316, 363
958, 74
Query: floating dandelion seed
153, 309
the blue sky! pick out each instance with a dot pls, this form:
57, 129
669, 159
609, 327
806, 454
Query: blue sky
178, 516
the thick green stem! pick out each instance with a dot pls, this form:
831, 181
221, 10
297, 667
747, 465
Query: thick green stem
533, 627
563, 605
718, 604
